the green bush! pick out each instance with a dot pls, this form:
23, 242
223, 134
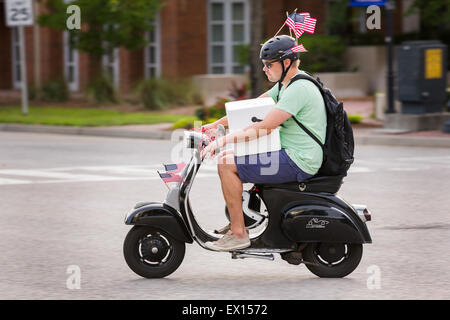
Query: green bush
54, 91
325, 54
101, 90
185, 123
216, 111
33, 92
158, 93
181, 91
211, 120
151, 94
355, 118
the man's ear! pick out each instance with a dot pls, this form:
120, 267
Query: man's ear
287, 62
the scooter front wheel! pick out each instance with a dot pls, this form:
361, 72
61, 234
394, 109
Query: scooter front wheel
332, 260
151, 252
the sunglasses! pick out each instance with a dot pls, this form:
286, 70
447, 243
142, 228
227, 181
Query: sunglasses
268, 65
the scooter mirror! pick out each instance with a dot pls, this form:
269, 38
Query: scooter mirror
192, 139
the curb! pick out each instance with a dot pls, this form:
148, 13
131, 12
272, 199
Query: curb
377, 139
429, 142
85, 131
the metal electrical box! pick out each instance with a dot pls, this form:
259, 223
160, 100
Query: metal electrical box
422, 76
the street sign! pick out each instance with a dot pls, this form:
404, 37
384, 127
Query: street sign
366, 3
19, 13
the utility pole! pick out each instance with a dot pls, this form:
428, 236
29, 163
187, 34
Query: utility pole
390, 56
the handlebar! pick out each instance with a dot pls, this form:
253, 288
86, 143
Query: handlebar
199, 140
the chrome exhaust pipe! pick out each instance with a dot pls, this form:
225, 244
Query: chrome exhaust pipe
237, 255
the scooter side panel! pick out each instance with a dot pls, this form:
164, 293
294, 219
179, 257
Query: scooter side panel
160, 216
280, 201
315, 222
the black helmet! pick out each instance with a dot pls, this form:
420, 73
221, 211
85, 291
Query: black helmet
277, 49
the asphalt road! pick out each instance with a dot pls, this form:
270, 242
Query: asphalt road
63, 200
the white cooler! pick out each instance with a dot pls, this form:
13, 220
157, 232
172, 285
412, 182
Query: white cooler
240, 114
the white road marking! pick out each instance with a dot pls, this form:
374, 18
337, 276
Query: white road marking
148, 172
73, 174
55, 175
359, 170
405, 169
14, 181
437, 159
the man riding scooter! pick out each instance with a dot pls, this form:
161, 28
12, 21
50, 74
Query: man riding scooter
300, 156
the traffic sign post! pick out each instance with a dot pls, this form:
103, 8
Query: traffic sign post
19, 13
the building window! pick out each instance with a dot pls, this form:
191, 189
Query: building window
15, 47
152, 60
71, 71
228, 29
111, 65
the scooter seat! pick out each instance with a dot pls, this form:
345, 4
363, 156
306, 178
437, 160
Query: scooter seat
329, 184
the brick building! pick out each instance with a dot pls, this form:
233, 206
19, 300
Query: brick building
190, 37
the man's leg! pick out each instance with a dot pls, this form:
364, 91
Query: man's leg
232, 191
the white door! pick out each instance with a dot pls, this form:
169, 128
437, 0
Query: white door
111, 65
71, 70
152, 57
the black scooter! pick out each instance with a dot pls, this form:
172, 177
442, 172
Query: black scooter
304, 222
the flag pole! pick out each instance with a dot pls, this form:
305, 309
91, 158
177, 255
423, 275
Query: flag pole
287, 15
163, 180
279, 30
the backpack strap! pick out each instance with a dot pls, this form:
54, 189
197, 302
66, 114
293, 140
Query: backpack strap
320, 87
309, 133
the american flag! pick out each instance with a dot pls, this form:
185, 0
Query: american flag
290, 22
174, 168
169, 177
299, 48
300, 23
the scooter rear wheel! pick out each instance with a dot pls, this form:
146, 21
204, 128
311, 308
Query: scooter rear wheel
151, 252
332, 260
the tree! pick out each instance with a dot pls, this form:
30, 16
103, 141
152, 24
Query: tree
434, 15
256, 37
106, 24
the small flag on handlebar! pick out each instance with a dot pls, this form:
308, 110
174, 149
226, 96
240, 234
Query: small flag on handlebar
174, 168
170, 177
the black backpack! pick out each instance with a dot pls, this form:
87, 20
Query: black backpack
339, 144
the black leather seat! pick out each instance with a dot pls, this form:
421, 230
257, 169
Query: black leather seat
330, 184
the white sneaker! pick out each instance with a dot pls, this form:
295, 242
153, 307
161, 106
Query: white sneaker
229, 243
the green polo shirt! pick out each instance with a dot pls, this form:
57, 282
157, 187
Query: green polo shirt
303, 100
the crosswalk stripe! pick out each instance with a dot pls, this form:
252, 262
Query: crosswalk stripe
359, 169
14, 181
55, 175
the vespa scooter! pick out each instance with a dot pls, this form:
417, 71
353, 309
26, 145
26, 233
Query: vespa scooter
303, 222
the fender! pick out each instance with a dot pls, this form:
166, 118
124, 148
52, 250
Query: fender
160, 216
321, 222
